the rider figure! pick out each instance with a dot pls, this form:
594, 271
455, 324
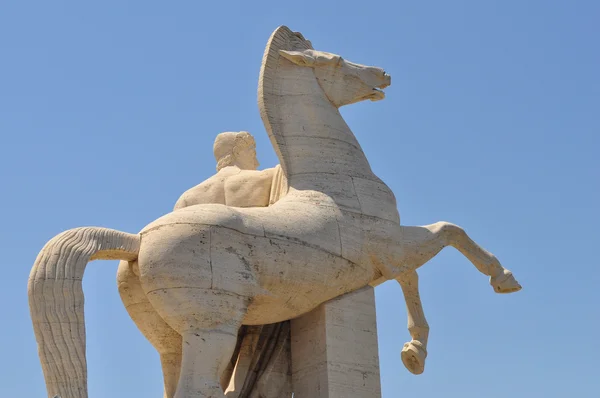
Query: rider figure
237, 182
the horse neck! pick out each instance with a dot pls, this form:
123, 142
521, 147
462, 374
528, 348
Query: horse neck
307, 131
316, 148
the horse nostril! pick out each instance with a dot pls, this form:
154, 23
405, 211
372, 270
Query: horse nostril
387, 81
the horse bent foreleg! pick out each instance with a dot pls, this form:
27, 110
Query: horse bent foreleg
415, 351
423, 243
501, 279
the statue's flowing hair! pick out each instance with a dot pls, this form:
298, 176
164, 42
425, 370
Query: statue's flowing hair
228, 145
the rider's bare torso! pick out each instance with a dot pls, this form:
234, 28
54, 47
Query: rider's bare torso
231, 186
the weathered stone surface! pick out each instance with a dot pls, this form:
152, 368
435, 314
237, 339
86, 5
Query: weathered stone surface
208, 268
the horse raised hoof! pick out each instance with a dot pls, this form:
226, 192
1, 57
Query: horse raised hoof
413, 356
505, 283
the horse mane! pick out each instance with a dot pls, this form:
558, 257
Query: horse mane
281, 39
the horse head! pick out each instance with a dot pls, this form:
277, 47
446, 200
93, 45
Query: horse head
343, 82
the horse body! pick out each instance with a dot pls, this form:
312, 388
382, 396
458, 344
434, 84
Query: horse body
287, 258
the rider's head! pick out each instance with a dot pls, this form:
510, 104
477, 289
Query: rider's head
235, 149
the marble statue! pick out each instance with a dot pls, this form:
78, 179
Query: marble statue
208, 270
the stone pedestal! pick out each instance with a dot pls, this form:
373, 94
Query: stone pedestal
334, 349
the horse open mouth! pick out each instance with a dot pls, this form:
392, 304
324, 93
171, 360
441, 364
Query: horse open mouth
376, 95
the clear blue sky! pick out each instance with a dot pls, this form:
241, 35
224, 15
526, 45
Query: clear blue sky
108, 111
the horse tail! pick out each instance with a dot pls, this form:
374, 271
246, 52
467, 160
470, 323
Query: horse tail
56, 301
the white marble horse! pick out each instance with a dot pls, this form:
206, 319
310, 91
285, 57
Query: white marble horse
209, 269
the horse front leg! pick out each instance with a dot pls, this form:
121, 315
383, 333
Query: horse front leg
415, 351
421, 244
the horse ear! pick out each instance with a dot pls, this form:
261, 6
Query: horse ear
300, 58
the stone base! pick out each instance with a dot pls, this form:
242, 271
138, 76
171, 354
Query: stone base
334, 349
